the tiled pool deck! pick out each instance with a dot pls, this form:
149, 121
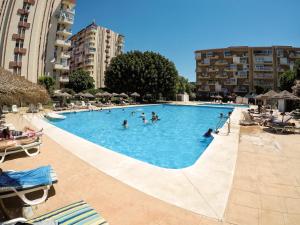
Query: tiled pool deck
266, 186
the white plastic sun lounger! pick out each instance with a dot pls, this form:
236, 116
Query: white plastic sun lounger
40, 179
5, 109
14, 109
21, 148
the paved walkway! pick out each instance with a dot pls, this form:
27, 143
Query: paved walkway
266, 186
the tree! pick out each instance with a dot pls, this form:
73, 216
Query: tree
260, 90
80, 80
287, 80
145, 73
47, 82
182, 85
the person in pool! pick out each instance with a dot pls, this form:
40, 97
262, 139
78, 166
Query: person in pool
208, 133
144, 120
125, 124
143, 115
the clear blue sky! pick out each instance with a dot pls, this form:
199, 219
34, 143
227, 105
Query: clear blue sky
176, 28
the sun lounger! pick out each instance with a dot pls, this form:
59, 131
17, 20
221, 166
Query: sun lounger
19, 184
247, 121
8, 147
14, 109
288, 128
40, 107
78, 213
32, 109
5, 109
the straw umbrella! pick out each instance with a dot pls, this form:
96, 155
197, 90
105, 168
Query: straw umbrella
135, 95
123, 95
87, 95
114, 94
282, 97
16, 89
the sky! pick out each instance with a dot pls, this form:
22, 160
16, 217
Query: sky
177, 28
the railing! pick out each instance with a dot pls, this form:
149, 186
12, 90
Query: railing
263, 68
263, 76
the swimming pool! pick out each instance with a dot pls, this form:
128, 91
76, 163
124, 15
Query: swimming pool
175, 141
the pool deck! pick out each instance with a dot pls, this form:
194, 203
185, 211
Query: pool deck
208, 181
265, 190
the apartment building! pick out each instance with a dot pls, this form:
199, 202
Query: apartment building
241, 69
92, 50
34, 37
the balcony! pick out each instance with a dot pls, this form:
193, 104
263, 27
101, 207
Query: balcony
240, 89
65, 32
62, 67
230, 81
221, 63
89, 62
295, 55
263, 83
65, 55
14, 64
203, 76
198, 56
16, 37
90, 50
284, 61
263, 52
65, 18
204, 89
24, 24
92, 30
210, 70
64, 79
221, 76
227, 55
30, 2
211, 82
231, 68
204, 63
22, 12
63, 43
21, 51
70, 3
263, 68
263, 76
242, 74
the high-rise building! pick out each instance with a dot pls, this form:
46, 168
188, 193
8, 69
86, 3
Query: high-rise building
34, 37
92, 50
241, 69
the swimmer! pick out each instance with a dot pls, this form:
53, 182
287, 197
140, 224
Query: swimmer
123, 110
132, 113
125, 124
208, 133
143, 115
144, 120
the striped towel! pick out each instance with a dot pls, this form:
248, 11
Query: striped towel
78, 213
26, 179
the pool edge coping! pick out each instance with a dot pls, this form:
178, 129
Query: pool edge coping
203, 199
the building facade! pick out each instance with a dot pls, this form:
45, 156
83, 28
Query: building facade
241, 69
92, 50
34, 37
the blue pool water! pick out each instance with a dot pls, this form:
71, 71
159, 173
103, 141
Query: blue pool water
175, 141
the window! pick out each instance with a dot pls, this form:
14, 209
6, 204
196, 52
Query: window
18, 57
26, 6
19, 44
23, 18
21, 30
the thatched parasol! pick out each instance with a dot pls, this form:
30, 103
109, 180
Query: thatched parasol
286, 95
62, 95
218, 97
114, 94
87, 95
135, 94
269, 95
123, 95
106, 94
16, 89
